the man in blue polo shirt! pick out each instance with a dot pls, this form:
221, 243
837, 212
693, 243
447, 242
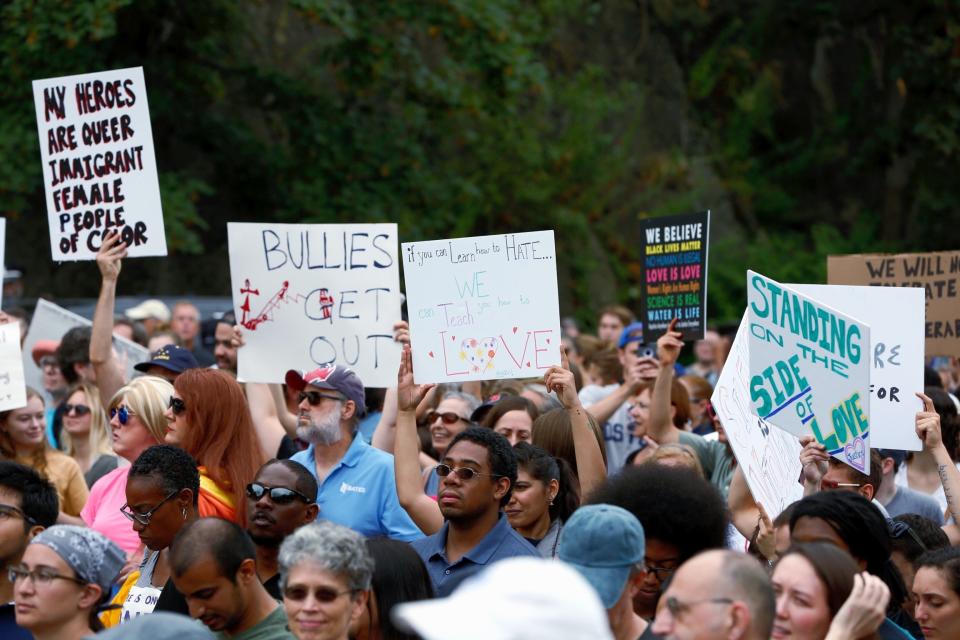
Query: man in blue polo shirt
477, 475
356, 482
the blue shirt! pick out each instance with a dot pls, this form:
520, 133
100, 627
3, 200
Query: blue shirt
500, 543
360, 492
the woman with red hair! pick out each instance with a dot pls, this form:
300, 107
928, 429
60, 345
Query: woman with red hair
208, 418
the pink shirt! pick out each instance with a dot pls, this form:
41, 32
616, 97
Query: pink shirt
102, 511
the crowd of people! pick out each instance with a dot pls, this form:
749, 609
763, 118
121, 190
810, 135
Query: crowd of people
602, 500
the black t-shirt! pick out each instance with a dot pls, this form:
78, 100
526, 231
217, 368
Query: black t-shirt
172, 600
288, 447
272, 585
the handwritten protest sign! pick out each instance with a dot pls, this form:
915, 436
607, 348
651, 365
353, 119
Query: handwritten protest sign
770, 458
313, 294
99, 171
675, 275
484, 307
895, 316
937, 273
50, 322
13, 393
810, 369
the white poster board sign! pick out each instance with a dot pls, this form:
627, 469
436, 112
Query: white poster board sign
13, 392
810, 369
308, 295
769, 457
483, 307
50, 322
896, 319
99, 170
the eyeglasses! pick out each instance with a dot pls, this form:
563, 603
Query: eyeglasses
10, 511
176, 405
660, 573
80, 409
464, 473
123, 414
677, 608
144, 518
898, 529
448, 417
321, 594
39, 576
832, 485
315, 397
278, 495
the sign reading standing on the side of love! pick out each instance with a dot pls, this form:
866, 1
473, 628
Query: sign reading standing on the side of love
769, 457
810, 369
895, 315
99, 171
308, 295
674, 250
484, 307
13, 390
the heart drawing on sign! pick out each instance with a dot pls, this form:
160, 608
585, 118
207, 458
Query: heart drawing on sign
479, 353
855, 453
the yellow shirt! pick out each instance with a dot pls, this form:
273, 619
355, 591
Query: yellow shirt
65, 475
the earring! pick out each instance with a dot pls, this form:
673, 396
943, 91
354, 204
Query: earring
183, 512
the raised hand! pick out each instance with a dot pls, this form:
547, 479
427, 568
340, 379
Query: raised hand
409, 395
669, 345
401, 332
236, 339
928, 424
814, 458
766, 534
112, 252
561, 381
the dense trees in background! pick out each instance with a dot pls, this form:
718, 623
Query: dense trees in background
809, 128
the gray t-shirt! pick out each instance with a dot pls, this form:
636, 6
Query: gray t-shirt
907, 500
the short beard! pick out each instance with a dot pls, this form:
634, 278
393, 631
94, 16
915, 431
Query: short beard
325, 433
271, 542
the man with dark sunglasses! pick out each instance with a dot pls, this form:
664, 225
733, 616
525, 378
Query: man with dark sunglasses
280, 500
356, 485
28, 505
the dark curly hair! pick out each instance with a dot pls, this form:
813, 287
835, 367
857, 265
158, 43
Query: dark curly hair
74, 349
674, 505
38, 498
173, 466
503, 462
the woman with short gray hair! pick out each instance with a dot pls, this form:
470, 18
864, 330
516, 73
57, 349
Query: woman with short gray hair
325, 573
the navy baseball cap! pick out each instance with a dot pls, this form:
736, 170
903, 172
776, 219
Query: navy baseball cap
334, 378
633, 332
604, 543
170, 357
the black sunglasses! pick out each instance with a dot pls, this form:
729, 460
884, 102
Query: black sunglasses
447, 417
464, 473
278, 495
315, 397
898, 529
176, 405
327, 595
79, 409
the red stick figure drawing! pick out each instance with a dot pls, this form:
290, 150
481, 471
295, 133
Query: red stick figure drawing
245, 307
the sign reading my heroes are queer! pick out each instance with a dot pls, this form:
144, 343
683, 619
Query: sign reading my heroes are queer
810, 369
483, 308
675, 275
99, 172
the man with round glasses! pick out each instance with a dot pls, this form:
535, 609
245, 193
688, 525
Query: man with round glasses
356, 485
477, 474
280, 500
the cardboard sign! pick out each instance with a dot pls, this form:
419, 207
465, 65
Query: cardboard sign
770, 458
13, 391
937, 273
483, 308
308, 295
895, 316
810, 369
50, 322
675, 275
99, 172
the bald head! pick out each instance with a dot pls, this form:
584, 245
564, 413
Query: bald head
220, 540
717, 595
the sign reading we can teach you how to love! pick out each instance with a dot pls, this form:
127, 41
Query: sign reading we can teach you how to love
484, 307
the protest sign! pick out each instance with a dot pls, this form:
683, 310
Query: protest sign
484, 307
675, 275
99, 171
13, 392
895, 316
810, 369
937, 273
50, 322
769, 458
313, 294
3, 252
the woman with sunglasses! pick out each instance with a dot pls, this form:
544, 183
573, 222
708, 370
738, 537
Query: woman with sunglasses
85, 435
137, 422
23, 439
207, 416
63, 578
162, 489
325, 575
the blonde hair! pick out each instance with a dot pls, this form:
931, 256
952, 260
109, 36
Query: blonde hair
147, 397
9, 451
99, 435
684, 454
